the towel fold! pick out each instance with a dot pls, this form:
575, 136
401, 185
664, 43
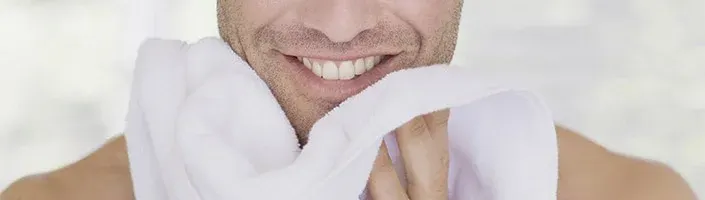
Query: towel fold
203, 126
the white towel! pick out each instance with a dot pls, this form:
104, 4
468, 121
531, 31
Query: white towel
203, 126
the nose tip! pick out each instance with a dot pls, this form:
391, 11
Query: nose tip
340, 20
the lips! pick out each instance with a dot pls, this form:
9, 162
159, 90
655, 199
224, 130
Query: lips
340, 70
334, 80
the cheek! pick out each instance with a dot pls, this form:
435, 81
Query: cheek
262, 12
426, 16
259, 14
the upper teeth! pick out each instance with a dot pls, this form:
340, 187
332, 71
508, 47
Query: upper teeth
340, 70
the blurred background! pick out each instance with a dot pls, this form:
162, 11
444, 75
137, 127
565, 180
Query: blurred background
629, 74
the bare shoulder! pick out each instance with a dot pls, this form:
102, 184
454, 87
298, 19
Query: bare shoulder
589, 171
103, 174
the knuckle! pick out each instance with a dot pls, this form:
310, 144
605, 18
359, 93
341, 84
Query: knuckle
416, 127
439, 121
439, 118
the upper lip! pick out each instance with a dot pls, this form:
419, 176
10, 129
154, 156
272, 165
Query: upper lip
332, 56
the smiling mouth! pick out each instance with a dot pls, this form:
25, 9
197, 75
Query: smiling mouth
333, 70
334, 80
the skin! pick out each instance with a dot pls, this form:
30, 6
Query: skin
423, 143
409, 33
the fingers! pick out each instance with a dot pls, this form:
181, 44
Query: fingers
438, 127
437, 123
384, 183
423, 145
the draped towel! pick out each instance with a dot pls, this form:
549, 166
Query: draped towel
202, 125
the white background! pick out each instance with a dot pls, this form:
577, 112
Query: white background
629, 74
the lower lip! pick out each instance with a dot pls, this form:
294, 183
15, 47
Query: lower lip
335, 91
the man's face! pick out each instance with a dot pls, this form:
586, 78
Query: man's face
314, 54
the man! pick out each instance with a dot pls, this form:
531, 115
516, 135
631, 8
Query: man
340, 42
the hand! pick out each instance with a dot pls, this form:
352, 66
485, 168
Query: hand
423, 143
